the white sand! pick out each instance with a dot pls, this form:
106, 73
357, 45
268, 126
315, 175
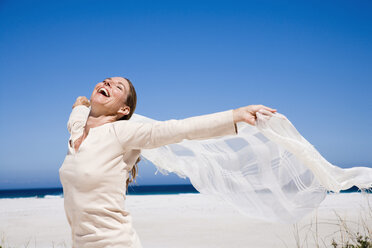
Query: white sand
185, 220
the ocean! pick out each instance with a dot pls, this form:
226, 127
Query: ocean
132, 190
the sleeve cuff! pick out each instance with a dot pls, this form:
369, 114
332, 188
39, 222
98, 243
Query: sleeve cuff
215, 125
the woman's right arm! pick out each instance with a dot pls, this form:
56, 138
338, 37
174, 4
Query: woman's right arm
79, 114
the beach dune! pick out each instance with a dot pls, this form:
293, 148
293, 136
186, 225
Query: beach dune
186, 220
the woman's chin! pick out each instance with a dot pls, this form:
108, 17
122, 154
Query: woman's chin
99, 99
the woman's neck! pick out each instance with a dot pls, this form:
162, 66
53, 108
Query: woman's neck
93, 121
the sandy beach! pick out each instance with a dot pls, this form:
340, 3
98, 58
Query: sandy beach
186, 220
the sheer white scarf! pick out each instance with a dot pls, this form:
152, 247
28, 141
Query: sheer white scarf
268, 171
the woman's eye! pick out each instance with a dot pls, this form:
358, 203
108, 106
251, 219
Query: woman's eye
119, 87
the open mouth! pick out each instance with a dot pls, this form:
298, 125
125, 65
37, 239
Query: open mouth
104, 92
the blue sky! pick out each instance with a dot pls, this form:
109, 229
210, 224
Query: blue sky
311, 60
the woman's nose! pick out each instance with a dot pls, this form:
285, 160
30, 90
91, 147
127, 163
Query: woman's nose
106, 83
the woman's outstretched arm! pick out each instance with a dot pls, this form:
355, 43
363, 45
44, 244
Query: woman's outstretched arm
135, 135
138, 135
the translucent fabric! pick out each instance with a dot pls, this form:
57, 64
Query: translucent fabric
268, 171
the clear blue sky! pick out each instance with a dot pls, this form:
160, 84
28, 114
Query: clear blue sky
311, 60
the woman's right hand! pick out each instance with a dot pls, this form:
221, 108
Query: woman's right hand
248, 113
81, 100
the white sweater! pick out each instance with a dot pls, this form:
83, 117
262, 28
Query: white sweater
94, 177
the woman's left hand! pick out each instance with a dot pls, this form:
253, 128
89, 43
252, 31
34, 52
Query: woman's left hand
248, 113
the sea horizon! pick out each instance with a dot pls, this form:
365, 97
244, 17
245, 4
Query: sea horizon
166, 189
57, 192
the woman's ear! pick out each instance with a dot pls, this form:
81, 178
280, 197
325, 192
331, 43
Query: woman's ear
124, 110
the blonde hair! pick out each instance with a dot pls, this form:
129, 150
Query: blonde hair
131, 102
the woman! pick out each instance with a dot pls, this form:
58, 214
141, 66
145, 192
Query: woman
104, 148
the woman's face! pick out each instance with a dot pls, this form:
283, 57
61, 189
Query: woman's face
109, 97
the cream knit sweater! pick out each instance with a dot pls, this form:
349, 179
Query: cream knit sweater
94, 177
